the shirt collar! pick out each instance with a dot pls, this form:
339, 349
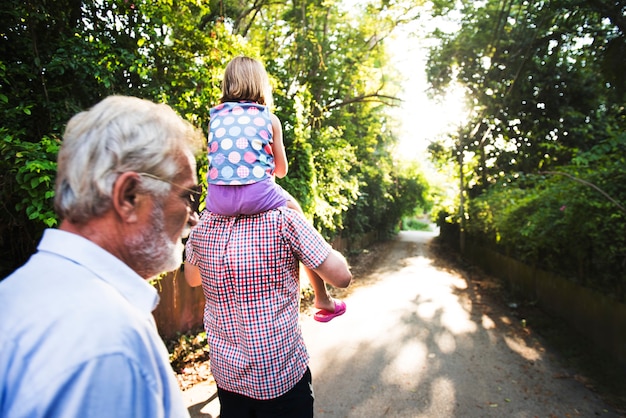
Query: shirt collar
103, 265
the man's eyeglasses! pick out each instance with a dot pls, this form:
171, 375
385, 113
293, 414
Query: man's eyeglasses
193, 196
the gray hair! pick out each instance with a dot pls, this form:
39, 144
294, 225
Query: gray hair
117, 135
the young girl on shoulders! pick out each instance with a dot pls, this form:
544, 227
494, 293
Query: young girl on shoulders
246, 152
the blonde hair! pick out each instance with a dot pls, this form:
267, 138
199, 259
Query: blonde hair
117, 135
246, 79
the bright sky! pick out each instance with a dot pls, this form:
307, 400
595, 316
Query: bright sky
422, 119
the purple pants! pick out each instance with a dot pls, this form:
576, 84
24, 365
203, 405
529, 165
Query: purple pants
247, 199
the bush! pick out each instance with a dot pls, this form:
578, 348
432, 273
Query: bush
414, 224
27, 178
569, 221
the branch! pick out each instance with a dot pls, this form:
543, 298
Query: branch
372, 97
586, 183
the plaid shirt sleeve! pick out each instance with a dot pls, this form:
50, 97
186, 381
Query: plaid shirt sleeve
307, 244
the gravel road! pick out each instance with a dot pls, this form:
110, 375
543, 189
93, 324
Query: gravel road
417, 341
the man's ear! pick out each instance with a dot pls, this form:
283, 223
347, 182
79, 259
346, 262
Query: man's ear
126, 196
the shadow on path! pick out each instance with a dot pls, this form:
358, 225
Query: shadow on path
417, 341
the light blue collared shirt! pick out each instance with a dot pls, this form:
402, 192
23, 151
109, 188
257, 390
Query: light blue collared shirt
77, 337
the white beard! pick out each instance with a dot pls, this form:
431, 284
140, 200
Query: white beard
153, 252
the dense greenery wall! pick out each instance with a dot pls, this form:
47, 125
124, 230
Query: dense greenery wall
542, 157
333, 88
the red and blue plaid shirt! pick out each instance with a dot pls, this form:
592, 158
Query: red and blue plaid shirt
249, 268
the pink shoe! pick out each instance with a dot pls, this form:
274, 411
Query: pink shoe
324, 316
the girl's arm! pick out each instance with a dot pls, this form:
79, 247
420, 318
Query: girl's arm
278, 148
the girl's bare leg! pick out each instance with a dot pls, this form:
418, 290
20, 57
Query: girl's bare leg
322, 299
292, 204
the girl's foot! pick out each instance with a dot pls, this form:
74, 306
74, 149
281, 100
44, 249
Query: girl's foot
324, 315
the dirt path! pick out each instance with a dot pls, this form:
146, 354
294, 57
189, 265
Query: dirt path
417, 340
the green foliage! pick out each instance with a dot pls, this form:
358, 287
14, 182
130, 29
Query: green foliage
537, 78
60, 59
562, 221
33, 168
332, 88
333, 191
27, 172
544, 147
414, 224
414, 193
187, 348
329, 69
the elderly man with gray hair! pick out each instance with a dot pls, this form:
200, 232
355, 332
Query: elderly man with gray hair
77, 337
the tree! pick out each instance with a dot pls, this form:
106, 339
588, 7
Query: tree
332, 89
333, 85
542, 81
531, 70
62, 58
